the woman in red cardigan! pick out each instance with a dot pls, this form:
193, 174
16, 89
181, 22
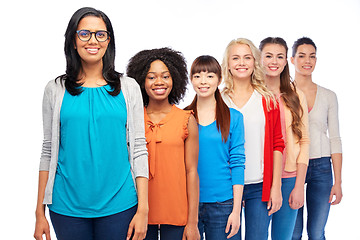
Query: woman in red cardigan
245, 91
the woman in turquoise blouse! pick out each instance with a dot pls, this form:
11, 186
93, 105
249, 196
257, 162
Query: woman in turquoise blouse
87, 170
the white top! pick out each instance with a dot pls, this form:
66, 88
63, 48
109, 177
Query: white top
324, 125
254, 125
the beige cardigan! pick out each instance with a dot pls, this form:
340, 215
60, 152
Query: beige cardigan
324, 125
297, 151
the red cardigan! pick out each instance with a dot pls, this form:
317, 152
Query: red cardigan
273, 142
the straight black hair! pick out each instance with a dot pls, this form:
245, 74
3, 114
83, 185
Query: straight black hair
73, 61
206, 63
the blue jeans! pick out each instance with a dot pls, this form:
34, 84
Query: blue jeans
111, 227
283, 221
257, 219
319, 183
213, 219
167, 232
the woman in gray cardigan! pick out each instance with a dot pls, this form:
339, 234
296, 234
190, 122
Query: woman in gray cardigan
93, 166
325, 144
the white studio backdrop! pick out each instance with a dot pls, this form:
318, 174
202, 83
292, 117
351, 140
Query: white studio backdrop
32, 54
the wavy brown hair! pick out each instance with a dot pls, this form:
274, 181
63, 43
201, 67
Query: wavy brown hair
208, 63
288, 88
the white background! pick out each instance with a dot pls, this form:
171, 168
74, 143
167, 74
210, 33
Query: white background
32, 38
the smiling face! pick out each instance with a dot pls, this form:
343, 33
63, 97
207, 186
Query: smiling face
91, 51
158, 82
304, 59
241, 62
205, 84
273, 57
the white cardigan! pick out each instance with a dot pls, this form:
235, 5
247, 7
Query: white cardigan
324, 125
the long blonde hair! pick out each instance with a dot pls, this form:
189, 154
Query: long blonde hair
257, 77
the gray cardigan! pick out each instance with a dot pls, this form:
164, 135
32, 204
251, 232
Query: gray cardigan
324, 125
135, 133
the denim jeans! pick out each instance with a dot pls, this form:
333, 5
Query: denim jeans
319, 183
283, 221
111, 227
167, 232
213, 218
257, 219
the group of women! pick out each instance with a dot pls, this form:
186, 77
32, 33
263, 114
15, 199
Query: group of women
121, 161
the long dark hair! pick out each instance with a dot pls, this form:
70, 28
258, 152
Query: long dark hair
288, 89
208, 63
73, 61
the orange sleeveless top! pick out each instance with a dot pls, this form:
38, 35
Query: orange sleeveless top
167, 174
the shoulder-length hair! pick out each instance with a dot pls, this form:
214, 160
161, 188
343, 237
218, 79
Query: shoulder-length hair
207, 63
73, 60
139, 65
257, 77
287, 88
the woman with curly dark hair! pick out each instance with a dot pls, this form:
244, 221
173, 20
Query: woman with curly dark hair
172, 142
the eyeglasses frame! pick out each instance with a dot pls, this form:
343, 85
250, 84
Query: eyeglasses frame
91, 34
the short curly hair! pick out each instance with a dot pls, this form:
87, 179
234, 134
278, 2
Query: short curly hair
139, 65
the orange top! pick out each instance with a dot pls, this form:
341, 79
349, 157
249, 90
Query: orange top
167, 178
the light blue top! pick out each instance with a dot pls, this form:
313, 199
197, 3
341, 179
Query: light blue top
135, 130
93, 177
221, 164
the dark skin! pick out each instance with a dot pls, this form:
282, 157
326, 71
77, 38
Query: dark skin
158, 85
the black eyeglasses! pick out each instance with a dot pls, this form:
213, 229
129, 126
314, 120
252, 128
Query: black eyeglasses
100, 36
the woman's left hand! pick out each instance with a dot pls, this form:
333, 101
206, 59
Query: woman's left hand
138, 226
275, 201
296, 199
234, 223
336, 191
191, 232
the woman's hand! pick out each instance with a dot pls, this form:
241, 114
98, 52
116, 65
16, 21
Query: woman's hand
139, 223
42, 227
296, 199
275, 201
191, 232
336, 191
234, 223
138, 226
